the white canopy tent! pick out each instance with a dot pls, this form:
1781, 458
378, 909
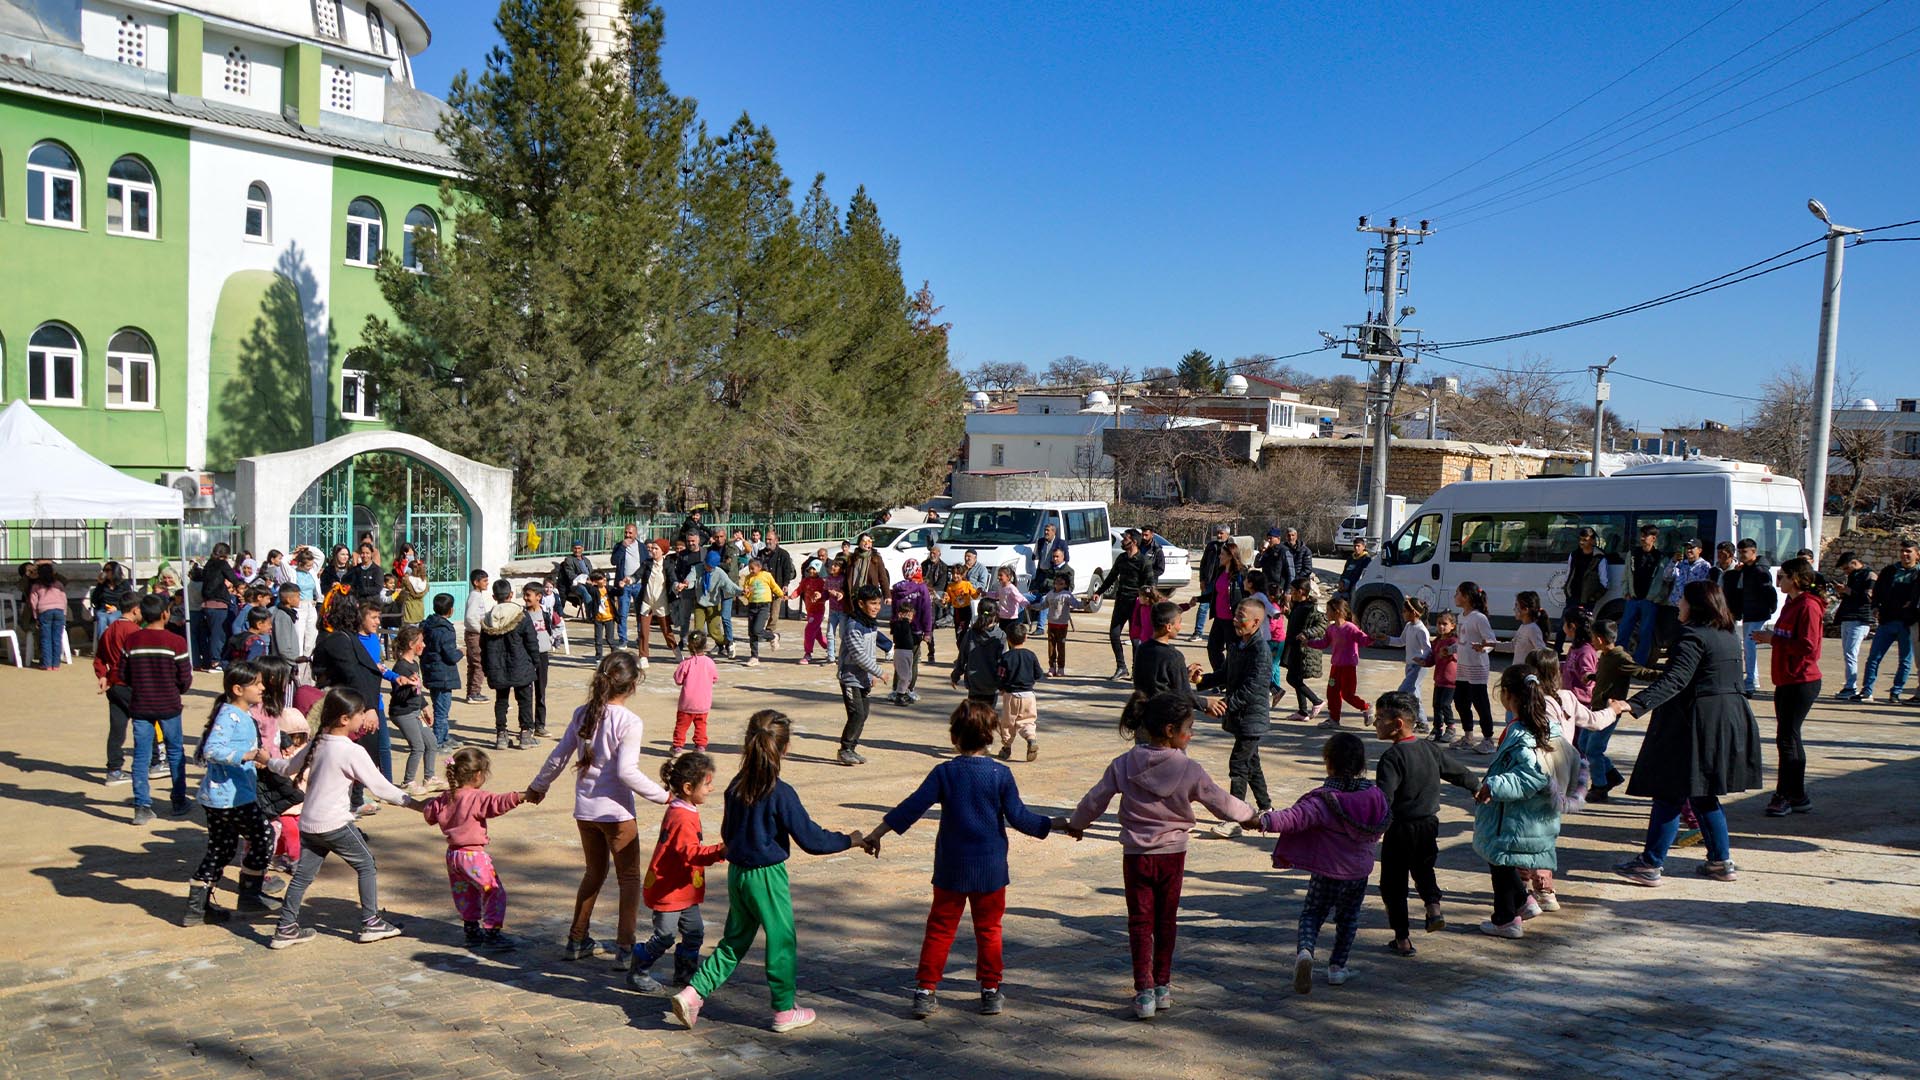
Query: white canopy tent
48, 477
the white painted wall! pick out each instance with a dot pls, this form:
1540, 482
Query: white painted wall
264, 61
100, 33
301, 240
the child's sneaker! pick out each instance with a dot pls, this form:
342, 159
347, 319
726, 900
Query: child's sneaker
1144, 1005
493, 939
474, 936
1640, 870
286, 937
686, 1007
582, 949
1162, 999
1006, 751
1721, 870
925, 1003
991, 1001
805, 660
788, 1019
1548, 901
376, 929
1336, 976
1503, 930
1303, 973
644, 983
1531, 910
1033, 750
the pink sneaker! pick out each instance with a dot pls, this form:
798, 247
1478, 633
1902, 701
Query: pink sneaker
686, 1007
785, 1020
806, 660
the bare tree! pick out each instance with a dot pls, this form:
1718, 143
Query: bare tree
1293, 488
1526, 401
1000, 377
1071, 371
1343, 392
1159, 379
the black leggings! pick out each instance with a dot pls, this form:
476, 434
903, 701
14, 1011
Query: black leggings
1219, 635
1308, 699
1791, 704
1244, 771
1509, 892
226, 827
1117, 628
1468, 696
1409, 850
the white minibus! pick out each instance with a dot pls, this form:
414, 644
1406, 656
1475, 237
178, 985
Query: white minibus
1509, 536
1004, 533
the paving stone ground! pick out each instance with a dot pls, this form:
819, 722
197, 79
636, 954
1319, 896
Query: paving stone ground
1804, 967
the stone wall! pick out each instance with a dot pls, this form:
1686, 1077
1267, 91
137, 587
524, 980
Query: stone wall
1876, 547
1029, 487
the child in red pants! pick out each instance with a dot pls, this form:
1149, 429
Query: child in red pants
1342, 641
813, 596
978, 800
696, 677
462, 814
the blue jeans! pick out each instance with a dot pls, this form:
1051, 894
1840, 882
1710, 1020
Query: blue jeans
1592, 745
624, 604
1664, 824
442, 714
102, 620
1409, 684
1200, 619
53, 629
726, 620
143, 753
1886, 634
1640, 615
836, 626
383, 744
214, 622
1752, 647
1852, 633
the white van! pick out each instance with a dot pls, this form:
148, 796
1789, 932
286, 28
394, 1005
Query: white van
1005, 533
1509, 536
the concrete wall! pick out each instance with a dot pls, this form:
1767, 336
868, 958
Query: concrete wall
968, 487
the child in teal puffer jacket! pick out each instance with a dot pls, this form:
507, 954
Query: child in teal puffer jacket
229, 795
1517, 821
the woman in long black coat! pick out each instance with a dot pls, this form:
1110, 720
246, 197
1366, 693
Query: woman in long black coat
1702, 741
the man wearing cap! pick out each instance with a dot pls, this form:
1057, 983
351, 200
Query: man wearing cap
1642, 576
1272, 558
1209, 562
1689, 565
1587, 581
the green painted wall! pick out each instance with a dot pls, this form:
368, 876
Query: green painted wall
95, 283
354, 290
257, 370
300, 83
186, 38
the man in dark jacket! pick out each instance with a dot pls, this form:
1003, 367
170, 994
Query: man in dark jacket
440, 665
1296, 559
508, 647
778, 562
1272, 560
1896, 600
632, 562
571, 576
1132, 574
1586, 583
1643, 568
1750, 596
683, 586
1854, 615
694, 525
1246, 686
1209, 562
1150, 546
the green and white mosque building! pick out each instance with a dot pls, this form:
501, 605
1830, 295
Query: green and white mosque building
193, 199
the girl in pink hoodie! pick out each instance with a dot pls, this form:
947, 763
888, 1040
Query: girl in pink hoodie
1158, 784
1343, 640
1332, 833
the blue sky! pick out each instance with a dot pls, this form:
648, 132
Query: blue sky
1126, 181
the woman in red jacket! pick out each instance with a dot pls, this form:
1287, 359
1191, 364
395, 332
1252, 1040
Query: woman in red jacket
1796, 637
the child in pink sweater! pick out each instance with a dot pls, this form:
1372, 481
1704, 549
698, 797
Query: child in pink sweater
1343, 640
1158, 784
696, 676
1332, 834
462, 813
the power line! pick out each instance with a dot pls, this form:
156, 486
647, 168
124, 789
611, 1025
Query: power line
1562, 113
1682, 386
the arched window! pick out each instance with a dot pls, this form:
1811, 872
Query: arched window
130, 371
376, 30
419, 220
133, 204
53, 366
238, 77
363, 232
259, 213
130, 42
53, 186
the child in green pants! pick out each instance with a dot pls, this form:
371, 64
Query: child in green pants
762, 813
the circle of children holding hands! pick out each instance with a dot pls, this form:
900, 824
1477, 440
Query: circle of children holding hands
286, 786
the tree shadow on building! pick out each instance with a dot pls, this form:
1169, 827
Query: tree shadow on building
268, 332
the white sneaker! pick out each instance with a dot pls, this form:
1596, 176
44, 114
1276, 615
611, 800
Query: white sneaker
1484, 746
1226, 830
1338, 975
1503, 930
1303, 973
1464, 742
1532, 910
1548, 901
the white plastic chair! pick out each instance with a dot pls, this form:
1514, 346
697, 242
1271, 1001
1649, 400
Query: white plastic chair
12, 638
560, 638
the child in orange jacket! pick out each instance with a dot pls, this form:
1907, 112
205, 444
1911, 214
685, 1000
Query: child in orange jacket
676, 882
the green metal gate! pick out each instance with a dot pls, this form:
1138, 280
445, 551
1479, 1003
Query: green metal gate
396, 498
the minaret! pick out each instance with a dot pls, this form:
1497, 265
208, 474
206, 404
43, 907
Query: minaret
601, 20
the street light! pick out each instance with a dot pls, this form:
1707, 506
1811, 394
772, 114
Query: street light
1822, 420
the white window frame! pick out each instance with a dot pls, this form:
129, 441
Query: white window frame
45, 354
42, 178
364, 236
265, 206
365, 406
409, 257
128, 191
126, 361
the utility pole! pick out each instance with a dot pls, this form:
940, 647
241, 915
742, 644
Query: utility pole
1821, 423
1601, 392
1383, 343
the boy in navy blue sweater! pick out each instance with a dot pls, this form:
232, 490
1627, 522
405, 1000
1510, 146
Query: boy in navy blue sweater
978, 800
1019, 670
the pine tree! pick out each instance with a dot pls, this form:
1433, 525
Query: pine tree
529, 339
1196, 373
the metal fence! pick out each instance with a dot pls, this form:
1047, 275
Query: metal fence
556, 536
141, 544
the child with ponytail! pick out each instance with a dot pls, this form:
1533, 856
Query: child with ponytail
1572, 779
230, 748
763, 816
603, 742
1517, 820
1158, 784
462, 813
1474, 640
676, 883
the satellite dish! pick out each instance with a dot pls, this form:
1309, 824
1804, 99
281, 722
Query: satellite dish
981, 401
1098, 400
1866, 404
1235, 386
